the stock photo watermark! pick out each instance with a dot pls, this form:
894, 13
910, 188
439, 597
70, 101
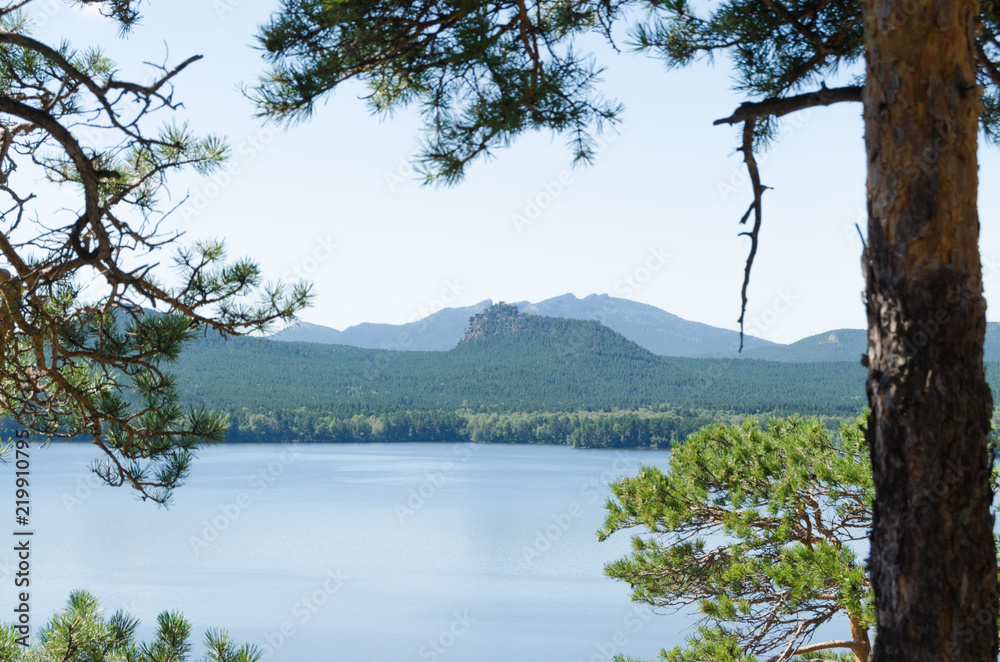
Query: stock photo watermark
782, 303
323, 249
214, 185
373, 366
739, 178
614, 644
230, 512
590, 493
23, 535
418, 497
534, 206
438, 646
223, 8
578, 339
555, 187
634, 281
302, 612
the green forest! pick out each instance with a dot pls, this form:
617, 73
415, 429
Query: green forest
613, 429
512, 379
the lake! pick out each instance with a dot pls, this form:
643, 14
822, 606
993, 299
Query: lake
394, 552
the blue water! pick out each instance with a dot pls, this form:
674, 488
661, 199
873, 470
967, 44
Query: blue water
394, 552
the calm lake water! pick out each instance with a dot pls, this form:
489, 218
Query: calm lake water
384, 552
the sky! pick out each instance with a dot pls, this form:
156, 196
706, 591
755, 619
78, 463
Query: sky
333, 200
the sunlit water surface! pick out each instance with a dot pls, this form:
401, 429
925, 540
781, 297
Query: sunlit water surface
384, 552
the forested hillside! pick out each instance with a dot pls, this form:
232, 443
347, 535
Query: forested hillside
654, 329
513, 377
657, 330
506, 362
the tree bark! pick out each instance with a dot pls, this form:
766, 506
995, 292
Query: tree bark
859, 634
933, 564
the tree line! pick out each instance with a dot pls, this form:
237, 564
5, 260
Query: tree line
597, 429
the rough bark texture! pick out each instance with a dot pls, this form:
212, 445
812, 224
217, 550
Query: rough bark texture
933, 564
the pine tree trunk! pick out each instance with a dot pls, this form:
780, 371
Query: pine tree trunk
933, 563
859, 635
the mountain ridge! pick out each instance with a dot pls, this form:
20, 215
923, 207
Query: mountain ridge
507, 361
657, 330
652, 328
512, 378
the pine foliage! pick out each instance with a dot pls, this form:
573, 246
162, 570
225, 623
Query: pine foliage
756, 525
82, 633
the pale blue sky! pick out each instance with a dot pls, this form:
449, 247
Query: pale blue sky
653, 220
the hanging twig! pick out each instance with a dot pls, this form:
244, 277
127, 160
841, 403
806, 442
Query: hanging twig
749, 113
756, 208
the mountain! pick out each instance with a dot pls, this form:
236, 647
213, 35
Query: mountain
654, 329
511, 378
506, 361
657, 330
847, 345
837, 345
306, 332
439, 331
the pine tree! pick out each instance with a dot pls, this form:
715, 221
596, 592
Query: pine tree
754, 524
82, 633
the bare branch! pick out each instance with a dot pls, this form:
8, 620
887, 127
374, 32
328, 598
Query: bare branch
752, 110
826, 645
756, 207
